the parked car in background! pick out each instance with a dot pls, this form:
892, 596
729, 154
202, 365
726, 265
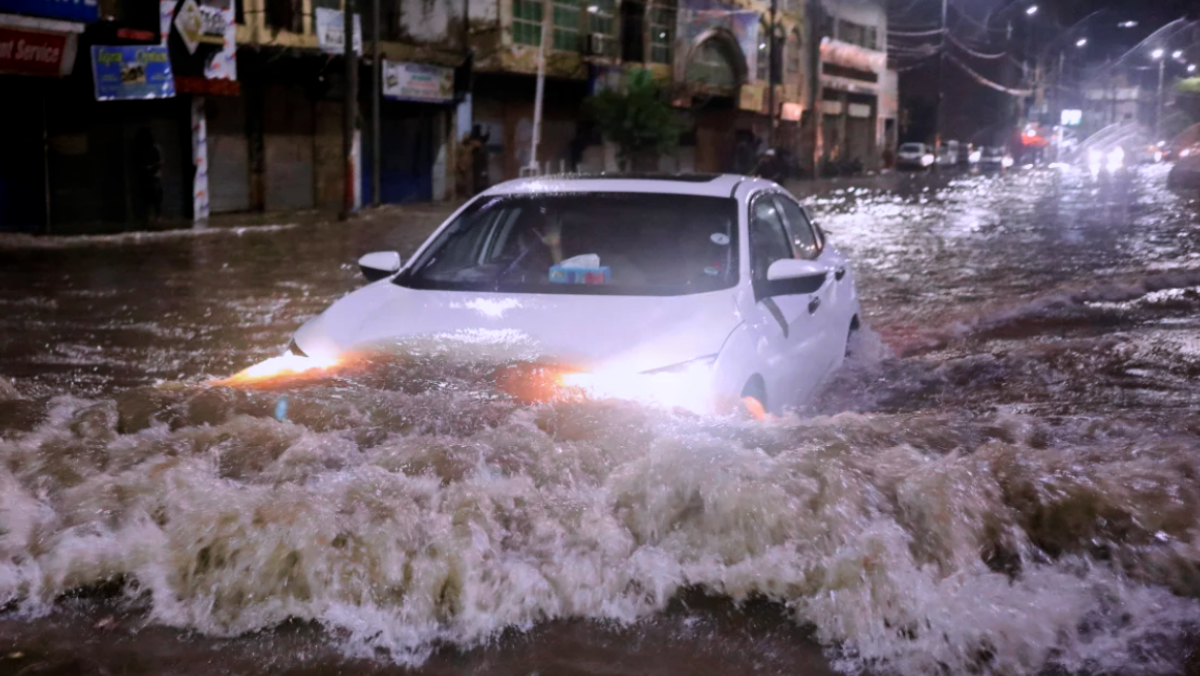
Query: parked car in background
969, 155
994, 158
914, 156
947, 155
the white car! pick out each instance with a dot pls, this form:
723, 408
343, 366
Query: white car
691, 291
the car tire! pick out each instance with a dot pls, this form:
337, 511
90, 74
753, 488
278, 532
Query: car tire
757, 388
850, 334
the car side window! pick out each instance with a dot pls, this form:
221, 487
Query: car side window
769, 240
804, 236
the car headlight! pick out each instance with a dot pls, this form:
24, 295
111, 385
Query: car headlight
927, 160
686, 385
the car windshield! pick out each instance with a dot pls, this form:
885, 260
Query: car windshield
912, 148
585, 243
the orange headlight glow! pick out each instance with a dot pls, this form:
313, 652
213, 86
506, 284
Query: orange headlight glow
278, 367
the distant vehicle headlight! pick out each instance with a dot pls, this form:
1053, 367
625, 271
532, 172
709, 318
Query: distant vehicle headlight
975, 157
1006, 162
926, 160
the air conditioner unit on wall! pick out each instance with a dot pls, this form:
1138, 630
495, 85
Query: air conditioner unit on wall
597, 44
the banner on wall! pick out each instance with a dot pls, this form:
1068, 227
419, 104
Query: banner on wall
330, 30
209, 28
418, 82
137, 72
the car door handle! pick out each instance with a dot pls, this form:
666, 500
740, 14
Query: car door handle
841, 272
813, 305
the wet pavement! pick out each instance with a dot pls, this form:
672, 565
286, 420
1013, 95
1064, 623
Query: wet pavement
1004, 479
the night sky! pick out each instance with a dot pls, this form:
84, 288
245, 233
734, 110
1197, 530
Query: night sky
974, 113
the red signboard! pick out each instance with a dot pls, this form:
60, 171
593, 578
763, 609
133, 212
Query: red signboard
34, 53
200, 85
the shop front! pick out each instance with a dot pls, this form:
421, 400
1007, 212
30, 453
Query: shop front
851, 131
35, 55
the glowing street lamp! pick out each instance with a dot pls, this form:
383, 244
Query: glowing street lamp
1127, 24
1191, 68
1031, 10
1081, 43
1178, 53
1157, 54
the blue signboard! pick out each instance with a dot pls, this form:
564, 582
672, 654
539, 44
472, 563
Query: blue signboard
68, 10
138, 72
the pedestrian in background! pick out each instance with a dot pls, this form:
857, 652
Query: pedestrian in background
479, 159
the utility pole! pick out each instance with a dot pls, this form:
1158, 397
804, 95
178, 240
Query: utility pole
349, 109
814, 15
771, 75
939, 115
376, 141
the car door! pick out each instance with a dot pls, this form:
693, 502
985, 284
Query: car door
826, 305
790, 342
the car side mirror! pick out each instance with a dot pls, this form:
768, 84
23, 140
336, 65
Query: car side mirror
793, 277
380, 264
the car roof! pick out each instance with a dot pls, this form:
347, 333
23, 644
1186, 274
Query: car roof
713, 185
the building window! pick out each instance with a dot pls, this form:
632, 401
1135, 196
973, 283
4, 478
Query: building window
633, 34
872, 41
602, 22
527, 22
662, 30
763, 70
566, 25
852, 33
284, 15
795, 56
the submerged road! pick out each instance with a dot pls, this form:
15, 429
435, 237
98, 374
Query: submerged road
1004, 479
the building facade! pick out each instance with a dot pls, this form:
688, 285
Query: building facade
240, 103
857, 102
713, 56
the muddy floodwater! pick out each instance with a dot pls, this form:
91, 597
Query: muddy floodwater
1004, 479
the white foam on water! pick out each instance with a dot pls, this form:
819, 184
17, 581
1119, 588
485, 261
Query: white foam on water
607, 511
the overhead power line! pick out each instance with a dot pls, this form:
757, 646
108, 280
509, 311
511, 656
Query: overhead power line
972, 52
985, 81
920, 34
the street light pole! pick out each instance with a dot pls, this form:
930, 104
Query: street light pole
547, 29
349, 109
376, 141
1162, 65
939, 115
771, 79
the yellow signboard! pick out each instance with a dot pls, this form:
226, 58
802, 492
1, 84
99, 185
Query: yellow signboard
751, 97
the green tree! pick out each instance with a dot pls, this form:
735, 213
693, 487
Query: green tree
638, 118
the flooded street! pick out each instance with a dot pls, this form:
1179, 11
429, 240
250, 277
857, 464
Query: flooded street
1003, 479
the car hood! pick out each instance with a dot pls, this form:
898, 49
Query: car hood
639, 332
